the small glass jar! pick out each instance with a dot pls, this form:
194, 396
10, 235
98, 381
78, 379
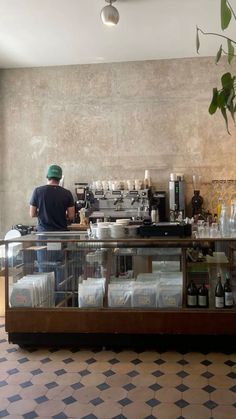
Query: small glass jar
214, 231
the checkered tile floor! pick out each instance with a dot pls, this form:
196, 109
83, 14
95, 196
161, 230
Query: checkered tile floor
90, 384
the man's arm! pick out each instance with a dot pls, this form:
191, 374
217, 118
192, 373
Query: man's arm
70, 213
33, 211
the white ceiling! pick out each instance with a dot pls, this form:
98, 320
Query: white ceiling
62, 32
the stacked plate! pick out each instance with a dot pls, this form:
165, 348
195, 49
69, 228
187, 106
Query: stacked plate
117, 231
123, 221
103, 231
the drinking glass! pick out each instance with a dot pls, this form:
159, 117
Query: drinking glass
214, 231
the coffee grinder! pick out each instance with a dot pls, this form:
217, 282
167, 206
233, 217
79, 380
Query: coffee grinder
84, 198
197, 200
176, 196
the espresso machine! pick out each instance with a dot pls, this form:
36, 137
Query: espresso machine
121, 203
176, 197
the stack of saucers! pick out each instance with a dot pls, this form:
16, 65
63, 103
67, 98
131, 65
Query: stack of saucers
103, 231
117, 231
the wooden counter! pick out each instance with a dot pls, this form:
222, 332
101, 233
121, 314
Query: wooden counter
36, 323
78, 227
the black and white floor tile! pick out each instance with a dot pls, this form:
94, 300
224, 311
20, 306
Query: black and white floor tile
115, 384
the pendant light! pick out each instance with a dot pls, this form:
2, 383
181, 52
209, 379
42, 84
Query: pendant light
109, 14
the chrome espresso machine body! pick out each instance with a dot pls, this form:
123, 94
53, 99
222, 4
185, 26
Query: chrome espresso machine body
113, 204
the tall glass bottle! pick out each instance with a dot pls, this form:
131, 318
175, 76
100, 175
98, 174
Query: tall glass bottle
218, 210
228, 294
192, 294
219, 293
232, 221
224, 222
203, 300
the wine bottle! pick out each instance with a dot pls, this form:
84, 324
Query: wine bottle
228, 294
219, 293
191, 294
203, 300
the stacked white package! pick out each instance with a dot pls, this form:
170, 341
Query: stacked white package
170, 289
145, 294
145, 290
96, 281
91, 293
120, 294
22, 295
46, 285
34, 290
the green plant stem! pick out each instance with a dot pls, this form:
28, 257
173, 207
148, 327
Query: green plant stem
226, 53
217, 34
232, 11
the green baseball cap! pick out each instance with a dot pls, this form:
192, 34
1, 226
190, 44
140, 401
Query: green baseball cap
55, 172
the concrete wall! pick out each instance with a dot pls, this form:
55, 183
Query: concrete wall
1, 164
111, 121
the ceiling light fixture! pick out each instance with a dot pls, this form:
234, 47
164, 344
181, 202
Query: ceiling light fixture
109, 14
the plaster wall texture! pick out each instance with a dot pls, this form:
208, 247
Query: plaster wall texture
112, 121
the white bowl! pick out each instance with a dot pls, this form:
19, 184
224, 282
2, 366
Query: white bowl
123, 221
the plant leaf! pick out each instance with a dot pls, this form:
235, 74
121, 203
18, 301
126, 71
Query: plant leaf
221, 99
227, 81
225, 14
223, 110
230, 51
230, 104
197, 41
218, 55
231, 109
214, 102
230, 98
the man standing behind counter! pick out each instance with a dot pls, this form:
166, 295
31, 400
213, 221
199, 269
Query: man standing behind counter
52, 204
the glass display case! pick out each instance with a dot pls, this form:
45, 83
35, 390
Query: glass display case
2, 278
63, 284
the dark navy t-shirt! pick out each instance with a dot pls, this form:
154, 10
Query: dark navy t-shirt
52, 202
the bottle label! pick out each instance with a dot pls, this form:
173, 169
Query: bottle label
228, 299
219, 302
191, 300
202, 300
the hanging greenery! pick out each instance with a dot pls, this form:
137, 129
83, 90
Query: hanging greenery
223, 98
